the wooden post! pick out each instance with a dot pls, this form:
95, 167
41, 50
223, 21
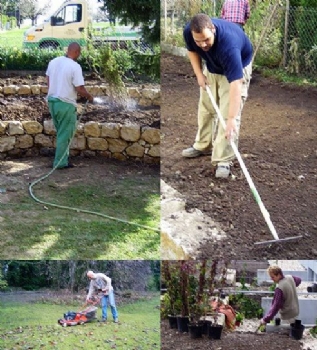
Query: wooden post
165, 20
286, 34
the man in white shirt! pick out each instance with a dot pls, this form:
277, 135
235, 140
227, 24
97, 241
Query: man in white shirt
99, 282
65, 80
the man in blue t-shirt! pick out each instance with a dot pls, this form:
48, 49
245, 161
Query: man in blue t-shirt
227, 53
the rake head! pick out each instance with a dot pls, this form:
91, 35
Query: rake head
280, 240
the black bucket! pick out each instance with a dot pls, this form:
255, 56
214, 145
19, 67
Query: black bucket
172, 321
206, 324
195, 330
214, 331
182, 324
296, 331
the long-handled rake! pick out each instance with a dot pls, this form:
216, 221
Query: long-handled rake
254, 191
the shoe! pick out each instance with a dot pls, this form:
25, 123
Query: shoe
103, 320
223, 170
115, 320
192, 152
68, 166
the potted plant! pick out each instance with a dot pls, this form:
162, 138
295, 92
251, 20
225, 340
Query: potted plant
171, 300
183, 318
239, 319
196, 301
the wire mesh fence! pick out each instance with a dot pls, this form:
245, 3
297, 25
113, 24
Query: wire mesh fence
282, 36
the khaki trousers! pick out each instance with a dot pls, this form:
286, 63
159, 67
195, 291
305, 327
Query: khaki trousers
209, 135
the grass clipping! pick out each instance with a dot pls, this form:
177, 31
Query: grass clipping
117, 91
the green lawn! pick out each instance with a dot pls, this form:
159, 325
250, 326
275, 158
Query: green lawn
34, 326
30, 230
12, 38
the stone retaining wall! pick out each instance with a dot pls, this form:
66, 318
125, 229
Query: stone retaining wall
112, 140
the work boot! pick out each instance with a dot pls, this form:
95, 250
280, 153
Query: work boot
192, 152
223, 170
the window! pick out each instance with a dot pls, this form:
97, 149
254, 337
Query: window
68, 14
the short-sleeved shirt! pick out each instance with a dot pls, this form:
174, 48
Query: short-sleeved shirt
64, 75
230, 53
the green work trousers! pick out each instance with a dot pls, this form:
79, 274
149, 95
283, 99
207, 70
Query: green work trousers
209, 134
64, 117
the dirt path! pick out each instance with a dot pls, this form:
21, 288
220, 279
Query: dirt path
278, 143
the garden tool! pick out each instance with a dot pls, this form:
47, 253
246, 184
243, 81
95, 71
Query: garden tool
253, 189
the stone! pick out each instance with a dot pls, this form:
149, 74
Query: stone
135, 150
7, 143
24, 90
32, 127
43, 140
94, 90
15, 128
133, 92
130, 133
44, 89
154, 151
24, 141
78, 142
117, 145
10, 90
151, 135
151, 94
36, 89
91, 129
97, 143
3, 127
110, 130
49, 128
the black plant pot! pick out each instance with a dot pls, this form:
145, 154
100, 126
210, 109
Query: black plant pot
310, 289
314, 288
297, 323
172, 321
195, 330
182, 323
214, 331
206, 324
296, 332
277, 321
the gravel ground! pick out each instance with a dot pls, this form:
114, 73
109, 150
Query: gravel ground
308, 342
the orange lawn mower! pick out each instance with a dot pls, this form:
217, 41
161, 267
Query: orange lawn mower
73, 318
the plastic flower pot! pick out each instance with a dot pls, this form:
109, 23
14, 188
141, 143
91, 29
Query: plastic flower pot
296, 331
206, 324
195, 330
214, 331
172, 321
182, 323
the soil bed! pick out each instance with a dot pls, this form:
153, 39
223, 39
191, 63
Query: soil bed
21, 108
278, 144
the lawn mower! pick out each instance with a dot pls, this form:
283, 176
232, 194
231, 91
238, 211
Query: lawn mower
72, 318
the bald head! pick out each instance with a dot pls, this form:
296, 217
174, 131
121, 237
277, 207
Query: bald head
91, 275
73, 50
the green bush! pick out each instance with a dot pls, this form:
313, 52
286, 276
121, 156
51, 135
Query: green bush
130, 62
245, 305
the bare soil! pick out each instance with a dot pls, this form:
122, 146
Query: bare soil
171, 339
21, 108
278, 144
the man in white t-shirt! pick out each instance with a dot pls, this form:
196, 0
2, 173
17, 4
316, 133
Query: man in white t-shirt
65, 80
99, 282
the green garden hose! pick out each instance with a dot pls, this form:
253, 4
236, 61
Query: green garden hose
78, 210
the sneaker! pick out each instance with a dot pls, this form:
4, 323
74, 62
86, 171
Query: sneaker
192, 152
103, 320
68, 166
223, 170
115, 320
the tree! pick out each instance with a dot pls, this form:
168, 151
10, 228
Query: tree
33, 8
144, 13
